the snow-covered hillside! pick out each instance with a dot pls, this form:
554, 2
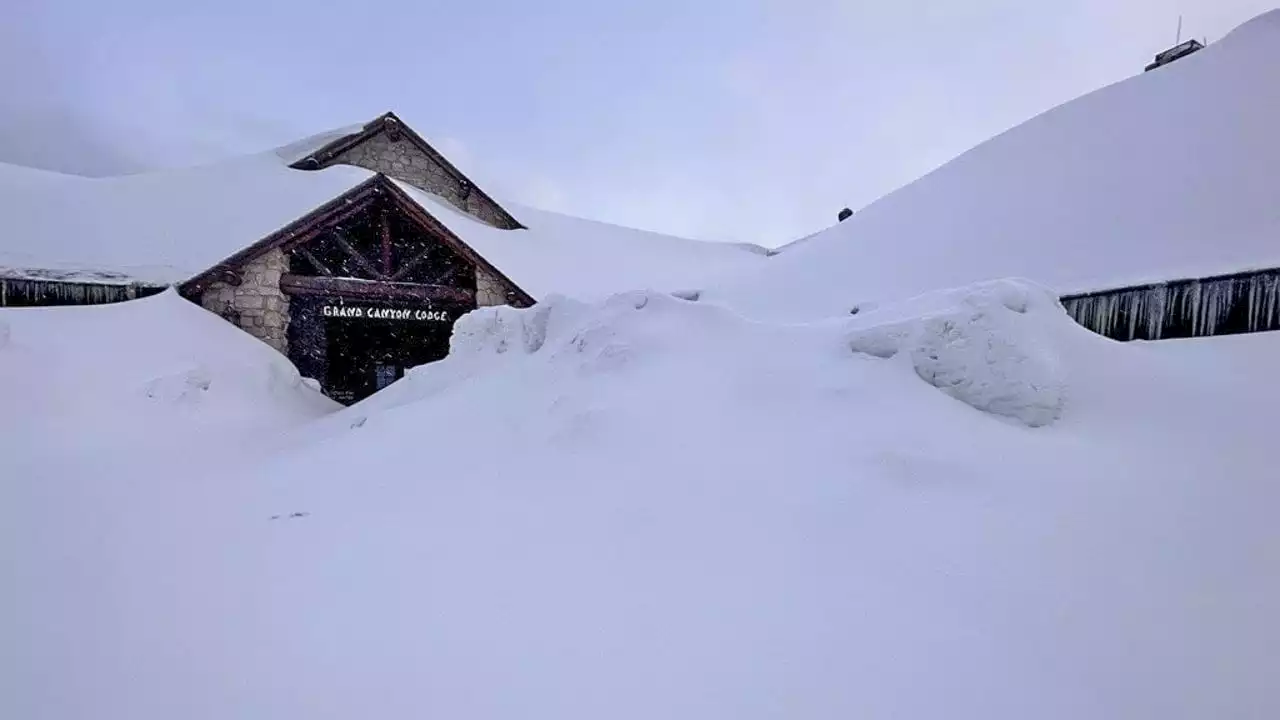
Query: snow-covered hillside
643, 508
1167, 175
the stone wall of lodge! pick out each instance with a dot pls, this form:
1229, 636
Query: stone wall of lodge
403, 160
257, 305
489, 290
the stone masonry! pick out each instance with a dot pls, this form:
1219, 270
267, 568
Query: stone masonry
257, 305
403, 160
489, 290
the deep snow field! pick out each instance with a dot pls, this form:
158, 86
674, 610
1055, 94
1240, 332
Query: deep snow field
962, 506
757, 504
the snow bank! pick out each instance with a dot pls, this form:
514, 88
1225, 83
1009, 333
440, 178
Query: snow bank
1163, 176
168, 366
990, 346
644, 507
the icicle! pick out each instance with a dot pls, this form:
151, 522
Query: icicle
1264, 294
1191, 306
1252, 307
1157, 311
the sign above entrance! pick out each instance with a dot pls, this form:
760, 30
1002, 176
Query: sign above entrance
361, 312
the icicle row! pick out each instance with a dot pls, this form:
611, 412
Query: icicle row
1185, 309
22, 292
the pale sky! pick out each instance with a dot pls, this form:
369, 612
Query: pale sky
754, 120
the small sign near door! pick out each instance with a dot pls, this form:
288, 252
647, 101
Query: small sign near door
384, 375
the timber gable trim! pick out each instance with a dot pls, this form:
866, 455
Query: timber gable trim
311, 225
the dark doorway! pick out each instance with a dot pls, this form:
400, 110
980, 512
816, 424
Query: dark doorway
356, 347
366, 355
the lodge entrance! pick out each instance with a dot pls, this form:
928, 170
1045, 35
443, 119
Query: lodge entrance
356, 347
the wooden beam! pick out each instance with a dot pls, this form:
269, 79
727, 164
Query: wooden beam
310, 229
447, 276
228, 275
369, 290
386, 243
315, 261
361, 260
452, 241
298, 232
408, 267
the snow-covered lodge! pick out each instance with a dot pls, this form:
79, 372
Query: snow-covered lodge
351, 252
1150, 205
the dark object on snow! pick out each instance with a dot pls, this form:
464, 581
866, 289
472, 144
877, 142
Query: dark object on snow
1175, 53
845, 214
299, 514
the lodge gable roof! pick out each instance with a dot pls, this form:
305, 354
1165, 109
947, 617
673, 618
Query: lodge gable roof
330, 214
388, 145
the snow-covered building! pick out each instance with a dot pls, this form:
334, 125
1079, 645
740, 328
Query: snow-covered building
352, 252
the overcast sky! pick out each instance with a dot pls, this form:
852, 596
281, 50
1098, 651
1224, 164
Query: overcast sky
752, 120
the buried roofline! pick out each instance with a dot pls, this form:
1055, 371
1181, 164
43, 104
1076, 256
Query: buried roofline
336, 210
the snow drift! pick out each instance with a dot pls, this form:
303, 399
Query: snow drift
651, 507
1163, 176
991, 346
127, 370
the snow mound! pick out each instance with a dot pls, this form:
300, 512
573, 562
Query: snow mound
595, 335
499, 330
992, 346
184, 386
152, 360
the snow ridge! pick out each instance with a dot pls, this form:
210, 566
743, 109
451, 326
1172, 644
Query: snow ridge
989, 346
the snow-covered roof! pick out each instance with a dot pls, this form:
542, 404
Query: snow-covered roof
299, 149
588, 259
167, 227
1171, 174
159, 228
